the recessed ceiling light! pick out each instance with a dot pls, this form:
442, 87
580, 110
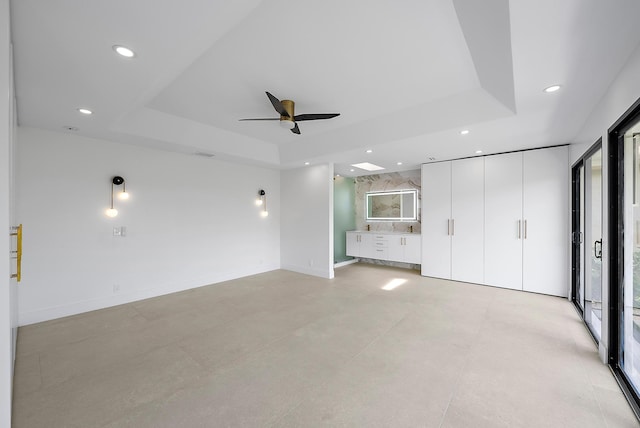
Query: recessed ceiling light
369, 151
399, 163
478, 152
552, 88
306, 163
464, 132
124, 51
85, 111
337, 175
351, 170
368, 166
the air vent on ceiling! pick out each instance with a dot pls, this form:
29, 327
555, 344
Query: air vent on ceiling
204, 155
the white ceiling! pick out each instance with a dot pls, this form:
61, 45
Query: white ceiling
405, 76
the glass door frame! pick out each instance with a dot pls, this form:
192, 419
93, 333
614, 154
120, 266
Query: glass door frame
616, 250
578, 253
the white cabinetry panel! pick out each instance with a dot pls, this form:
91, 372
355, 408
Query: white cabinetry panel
503, 221
498, 220
546, 234
467, 215
436, 218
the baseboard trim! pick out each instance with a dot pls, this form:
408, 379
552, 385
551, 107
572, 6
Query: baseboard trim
346, 263
47, 314
322, 273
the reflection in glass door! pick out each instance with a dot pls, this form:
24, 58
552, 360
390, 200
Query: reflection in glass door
587, 238
630, 328
593, 243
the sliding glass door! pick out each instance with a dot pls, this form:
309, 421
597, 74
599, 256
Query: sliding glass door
587, 238
593, 242
630, 334
624, 253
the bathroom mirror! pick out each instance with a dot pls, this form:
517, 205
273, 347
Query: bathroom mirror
398, 205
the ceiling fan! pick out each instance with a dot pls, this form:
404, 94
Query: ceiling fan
287, 117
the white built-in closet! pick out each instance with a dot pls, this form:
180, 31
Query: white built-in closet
498, 220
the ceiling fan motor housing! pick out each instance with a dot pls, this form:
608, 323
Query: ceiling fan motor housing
287, 122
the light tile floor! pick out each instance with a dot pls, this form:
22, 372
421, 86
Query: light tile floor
283, 349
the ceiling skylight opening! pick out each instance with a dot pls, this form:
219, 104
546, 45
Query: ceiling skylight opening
85, 111
368, 166
124, 51
464, 132
552, 88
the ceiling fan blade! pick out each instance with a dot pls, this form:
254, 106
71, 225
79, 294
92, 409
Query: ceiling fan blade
295, 129
315, 116
277, 105
263, 118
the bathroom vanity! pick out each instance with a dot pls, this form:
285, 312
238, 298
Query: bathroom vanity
390, 246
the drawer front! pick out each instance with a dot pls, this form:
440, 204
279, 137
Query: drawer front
380, 253
381, 244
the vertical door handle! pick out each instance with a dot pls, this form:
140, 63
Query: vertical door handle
453, 227
519, 229
448, 227
597, 249
525, 229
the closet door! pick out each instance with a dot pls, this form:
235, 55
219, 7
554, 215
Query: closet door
467, 213
436, 215
503, 221
546, 236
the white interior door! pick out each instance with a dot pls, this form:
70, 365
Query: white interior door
467, 213
436, 215
503, 221
545, 208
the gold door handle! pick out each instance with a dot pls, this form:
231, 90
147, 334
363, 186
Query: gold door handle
17, 232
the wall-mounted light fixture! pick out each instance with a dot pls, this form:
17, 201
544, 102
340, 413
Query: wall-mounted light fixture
117, 181
261, 200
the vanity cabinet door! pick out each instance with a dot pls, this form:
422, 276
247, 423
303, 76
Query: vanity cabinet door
396, 248
412, 249
353, 244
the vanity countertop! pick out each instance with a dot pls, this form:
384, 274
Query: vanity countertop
380, 232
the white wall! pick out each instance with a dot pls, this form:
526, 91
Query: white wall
622, 93
191, 221
6, 308
307, 220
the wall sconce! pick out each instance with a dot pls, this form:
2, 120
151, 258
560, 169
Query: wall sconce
262, 201
117, 181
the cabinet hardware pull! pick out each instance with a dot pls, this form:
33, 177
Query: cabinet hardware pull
17, 232
525, 229
453, 226
448, 227
519, 229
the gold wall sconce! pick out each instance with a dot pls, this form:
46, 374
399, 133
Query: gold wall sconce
262, 201
117, 181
